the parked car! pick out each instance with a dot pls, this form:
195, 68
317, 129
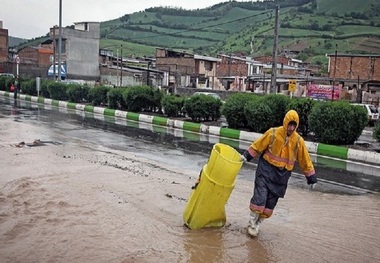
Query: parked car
214, 95
9, 75
373, 113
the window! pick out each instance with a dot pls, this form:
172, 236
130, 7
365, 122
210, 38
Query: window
208, 65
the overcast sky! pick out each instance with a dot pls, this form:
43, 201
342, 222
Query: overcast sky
33, 18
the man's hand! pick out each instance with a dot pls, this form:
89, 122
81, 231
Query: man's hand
242, 158
312, 179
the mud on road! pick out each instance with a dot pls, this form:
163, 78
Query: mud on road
77, 201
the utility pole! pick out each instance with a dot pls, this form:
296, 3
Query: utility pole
274, 56
121, 66
148, 74
60, 42
333, 87
117, 67
54, 52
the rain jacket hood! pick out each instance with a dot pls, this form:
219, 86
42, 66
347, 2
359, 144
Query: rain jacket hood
291, 115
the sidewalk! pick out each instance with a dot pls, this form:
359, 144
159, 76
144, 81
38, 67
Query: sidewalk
340, 152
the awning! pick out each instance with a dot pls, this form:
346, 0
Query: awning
51, 71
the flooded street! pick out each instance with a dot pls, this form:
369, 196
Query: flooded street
76, 199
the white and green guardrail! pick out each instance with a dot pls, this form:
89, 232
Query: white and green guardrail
240, 139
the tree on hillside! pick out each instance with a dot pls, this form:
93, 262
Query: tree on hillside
124, 18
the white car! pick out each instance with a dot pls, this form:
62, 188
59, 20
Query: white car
9, 75
214, 95
373, 113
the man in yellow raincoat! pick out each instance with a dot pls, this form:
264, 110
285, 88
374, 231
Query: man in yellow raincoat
278, 149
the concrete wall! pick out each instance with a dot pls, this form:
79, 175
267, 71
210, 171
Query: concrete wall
81, 50
82, 58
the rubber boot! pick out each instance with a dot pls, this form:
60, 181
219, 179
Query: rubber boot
253, 224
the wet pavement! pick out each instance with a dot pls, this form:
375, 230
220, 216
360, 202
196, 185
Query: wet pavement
103, 192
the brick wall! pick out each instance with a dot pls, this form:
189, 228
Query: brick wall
269, 59
350, 67
182, 65
231, 67
40, 57
3, 45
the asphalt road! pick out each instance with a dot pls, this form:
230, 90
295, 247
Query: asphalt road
172, 146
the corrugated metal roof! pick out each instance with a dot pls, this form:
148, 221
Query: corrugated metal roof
352, 55
200, 57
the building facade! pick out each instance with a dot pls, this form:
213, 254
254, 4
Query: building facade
354, 67
3, 47
80, 49
187, 70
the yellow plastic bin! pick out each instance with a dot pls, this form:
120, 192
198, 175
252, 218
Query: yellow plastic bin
206, 205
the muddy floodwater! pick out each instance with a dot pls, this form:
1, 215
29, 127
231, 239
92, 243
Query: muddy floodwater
77, 201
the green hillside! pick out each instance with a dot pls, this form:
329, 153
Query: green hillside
311, 28
308, 28
346, 6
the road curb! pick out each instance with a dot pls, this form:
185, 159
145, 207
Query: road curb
334, 151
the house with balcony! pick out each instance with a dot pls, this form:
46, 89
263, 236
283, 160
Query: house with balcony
233, 71
187, 70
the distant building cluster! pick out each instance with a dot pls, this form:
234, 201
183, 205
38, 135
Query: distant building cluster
350, 77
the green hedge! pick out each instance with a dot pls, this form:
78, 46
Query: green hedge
257, 114
203, 108
97, 96
115, 98
5, 83
233, 109
173, 105
337, 123
57, 91
140, 98
77, 93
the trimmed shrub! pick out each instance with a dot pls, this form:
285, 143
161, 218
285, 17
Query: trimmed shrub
29, 87
172, 105
44, 88
57, 90
203, 108
77, 92
233, 109
337, 123
139, 98
5, 83
257, 113
97, 96
278, 104
115, 98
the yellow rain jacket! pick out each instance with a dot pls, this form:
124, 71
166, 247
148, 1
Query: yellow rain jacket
281, 150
